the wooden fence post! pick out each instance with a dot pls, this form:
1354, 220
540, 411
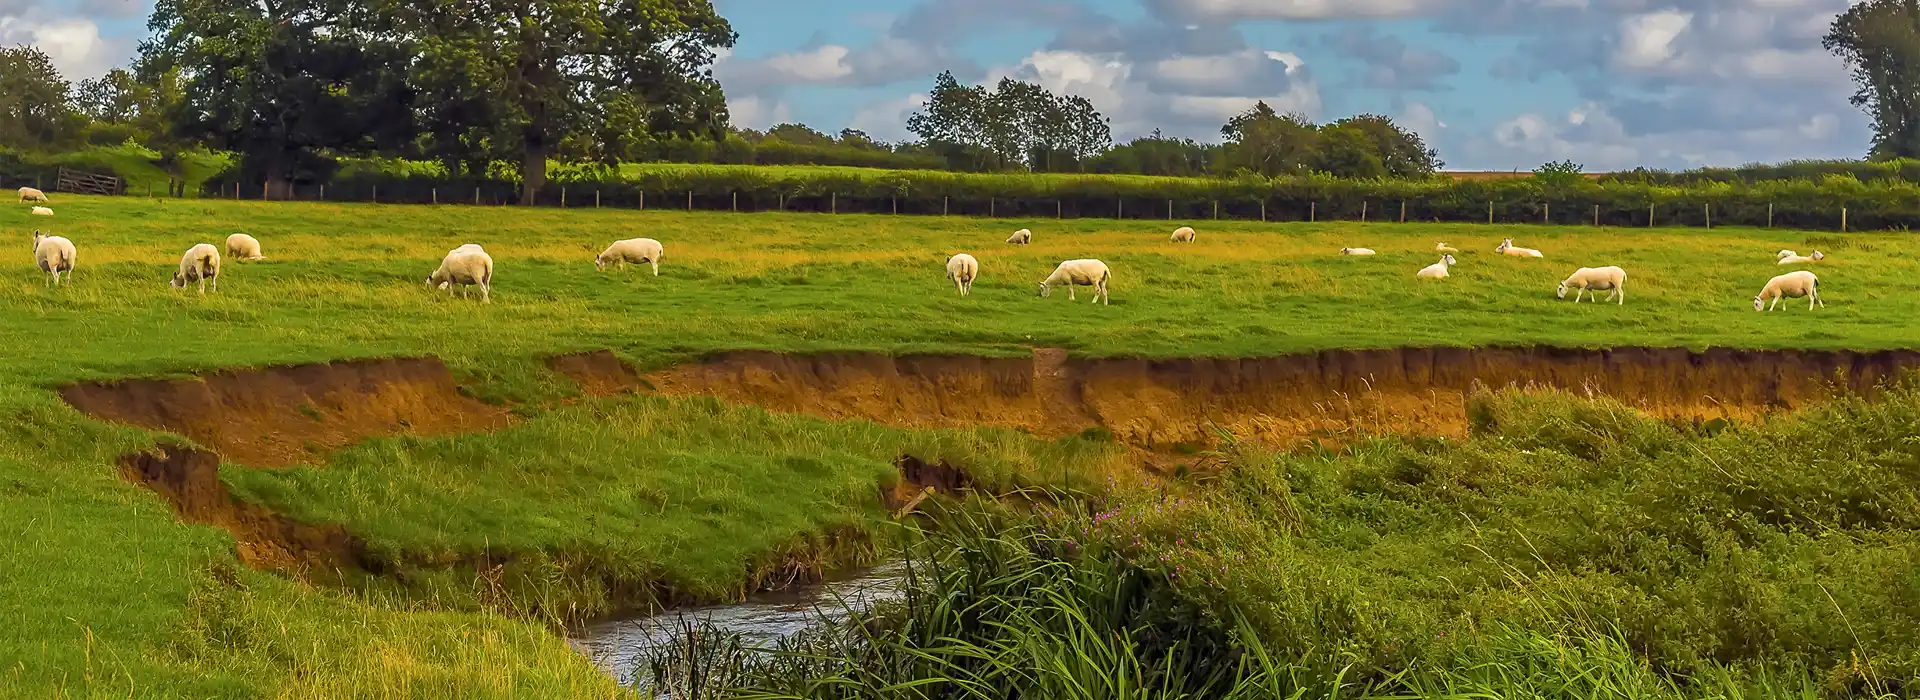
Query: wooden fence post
323, 190
1649, 215
1363, 211
376, 194
643, 200
476, 195
1263, 211
1120, 208
689, 200
1169, 210
896, 206
1546, 213
1596, 216
563, 196
1708, 208
1403, 211
1216, 210
1769, 214
1489, 211
1313, 212
436, 195
943, 206
596, 199
1843, 219
992, 204
783, 201
833, 203
1059, 210
263, 190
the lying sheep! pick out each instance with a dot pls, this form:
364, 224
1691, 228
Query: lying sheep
1796, 284
1072, 273
1784, 253
55, 255
632, 250
42, 211
200, 264
1436, 271
466, 265
241, 246
1183, 234
1801, 259
961, 269
28, 194
1021, 237
1356, 251
1442, 247
1508, 248
1586, 279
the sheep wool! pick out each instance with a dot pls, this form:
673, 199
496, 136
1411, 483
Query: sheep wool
466, 266
55, 255
1356, 251
29, 194
241, 246
201, 264
1183, 234
1436, 271
961, 271
1021, 237
632, 250
1072, 273
1796, 284
1587, 279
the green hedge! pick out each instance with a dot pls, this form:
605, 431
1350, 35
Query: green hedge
1907, 170
1799, 203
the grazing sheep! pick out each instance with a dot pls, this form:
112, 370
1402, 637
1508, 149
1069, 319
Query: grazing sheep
42, 211
1442, 247
1801, 259
466, 265
1356, 251
55, 255
241, 246
28, 194
632, 250
1021, 237
1508, 248
961, 269
1183, 234
1587, 279
1088, 272
200, 264
1796, 284
1436, 271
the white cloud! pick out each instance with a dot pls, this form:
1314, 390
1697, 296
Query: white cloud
1595, 138
1420, 119
1291, 9
1183, 95
818, 65
756, 112
74, 45
1647, 40
886, 120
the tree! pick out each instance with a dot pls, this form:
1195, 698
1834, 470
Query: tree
1015, 123
114, 98
36, 107
279, 81
531, 75
799, 135
1402, 153
1346, 151
951, 119
1880, 41
859, 140
1267, 143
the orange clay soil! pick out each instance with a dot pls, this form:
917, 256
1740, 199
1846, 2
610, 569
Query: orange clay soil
1330, 395
279, 416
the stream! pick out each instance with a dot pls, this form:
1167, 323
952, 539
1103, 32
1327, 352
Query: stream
619, 646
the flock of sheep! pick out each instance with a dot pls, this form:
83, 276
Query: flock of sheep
470, 266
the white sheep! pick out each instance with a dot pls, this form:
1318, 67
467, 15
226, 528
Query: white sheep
241, 246
200, 264
961, 269
1587, 279
28, 194
1021, 237
1436, 271
1784, 253
466, 265
1356, 251
1442, 247
1072, 273
55, 255
1796, 284
42, 211
1183, 234
1801, 259
1508, 248
632, 250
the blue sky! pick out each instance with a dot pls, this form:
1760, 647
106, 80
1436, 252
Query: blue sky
1493, 84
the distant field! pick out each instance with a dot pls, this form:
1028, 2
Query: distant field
119, 595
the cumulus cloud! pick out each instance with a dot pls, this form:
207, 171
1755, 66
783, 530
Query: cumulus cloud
1232, 10
1177, 94
74, 45
1392, 64
1599, 140
886, 120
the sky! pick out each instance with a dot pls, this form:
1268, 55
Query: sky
1492, 84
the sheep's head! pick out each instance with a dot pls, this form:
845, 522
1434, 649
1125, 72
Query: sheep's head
1759, 305
1346, 251
1046, 290
1448, 259
1504, 245
1562, 291
37, 238
1817, 255
179, 280
600, 262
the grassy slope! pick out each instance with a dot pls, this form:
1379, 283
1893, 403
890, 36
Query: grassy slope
165, 614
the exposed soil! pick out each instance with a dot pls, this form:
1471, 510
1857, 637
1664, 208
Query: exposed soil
1330, 395
280, 416
189, 479
599, 373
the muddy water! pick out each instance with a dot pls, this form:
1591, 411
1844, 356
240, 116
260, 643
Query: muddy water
620, 646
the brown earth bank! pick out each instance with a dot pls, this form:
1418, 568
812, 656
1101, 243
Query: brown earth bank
189, 480
1287, 399
279, 416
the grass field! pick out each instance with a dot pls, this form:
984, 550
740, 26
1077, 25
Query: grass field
108, 595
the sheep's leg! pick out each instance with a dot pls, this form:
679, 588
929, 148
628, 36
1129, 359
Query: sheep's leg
1070, 296
486, 293
1621, 291
656, 267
